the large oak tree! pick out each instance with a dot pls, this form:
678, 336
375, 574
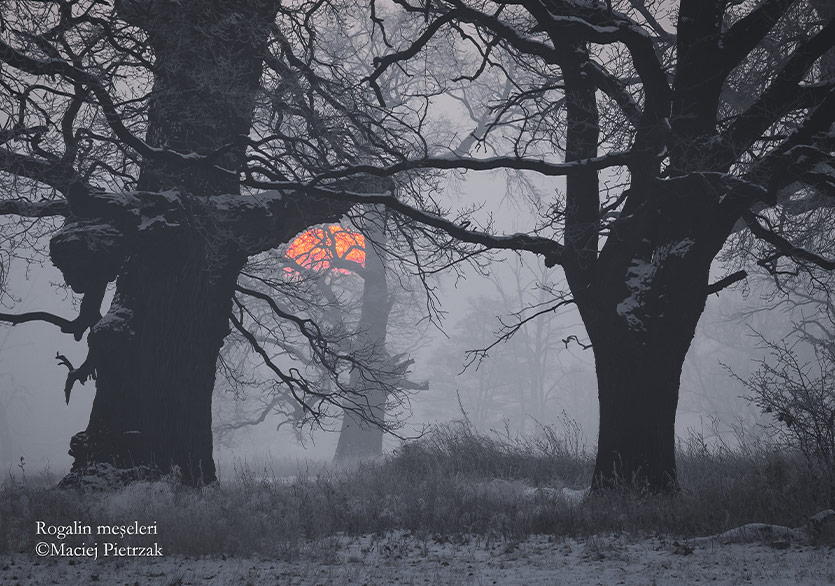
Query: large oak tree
678, 127
145, 127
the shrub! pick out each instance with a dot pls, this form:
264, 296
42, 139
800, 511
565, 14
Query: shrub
799, 395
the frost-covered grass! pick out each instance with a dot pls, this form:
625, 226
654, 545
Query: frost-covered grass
450, 484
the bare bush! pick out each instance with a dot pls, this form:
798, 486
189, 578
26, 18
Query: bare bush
794, 385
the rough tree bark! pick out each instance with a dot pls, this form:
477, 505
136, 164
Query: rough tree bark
155, 351
698, 168
641, 316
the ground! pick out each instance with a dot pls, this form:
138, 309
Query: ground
399, 558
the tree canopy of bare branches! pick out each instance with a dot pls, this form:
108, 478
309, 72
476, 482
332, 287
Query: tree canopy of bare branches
677, 128
145, 128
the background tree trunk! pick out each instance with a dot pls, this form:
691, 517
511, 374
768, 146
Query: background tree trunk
361, 435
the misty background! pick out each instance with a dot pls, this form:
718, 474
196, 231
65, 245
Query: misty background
541, 376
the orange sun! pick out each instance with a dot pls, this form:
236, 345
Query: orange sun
317, 249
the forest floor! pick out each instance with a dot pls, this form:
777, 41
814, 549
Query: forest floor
403, 559
453, 508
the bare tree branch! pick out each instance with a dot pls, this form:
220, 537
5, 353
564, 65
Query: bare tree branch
783, 246
748, 31
66, 325
550, 250
781, 95
81, 374
33, 209
613, 159
726, 282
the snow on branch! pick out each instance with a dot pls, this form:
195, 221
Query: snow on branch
613, 159
599, 24
550, 250
33, 209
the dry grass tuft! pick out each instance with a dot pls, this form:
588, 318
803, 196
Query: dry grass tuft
450, 484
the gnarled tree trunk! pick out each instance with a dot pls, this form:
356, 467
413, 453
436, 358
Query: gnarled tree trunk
641, 314
155, 351
155, 354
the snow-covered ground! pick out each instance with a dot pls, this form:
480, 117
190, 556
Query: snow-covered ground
400, 558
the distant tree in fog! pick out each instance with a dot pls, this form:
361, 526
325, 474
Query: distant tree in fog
337, 278
510, 367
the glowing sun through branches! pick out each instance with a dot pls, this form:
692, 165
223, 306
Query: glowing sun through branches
328, 248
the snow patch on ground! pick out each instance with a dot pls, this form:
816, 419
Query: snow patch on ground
570, 496
404, 558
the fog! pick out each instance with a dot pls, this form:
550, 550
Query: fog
33, 411
505, 392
